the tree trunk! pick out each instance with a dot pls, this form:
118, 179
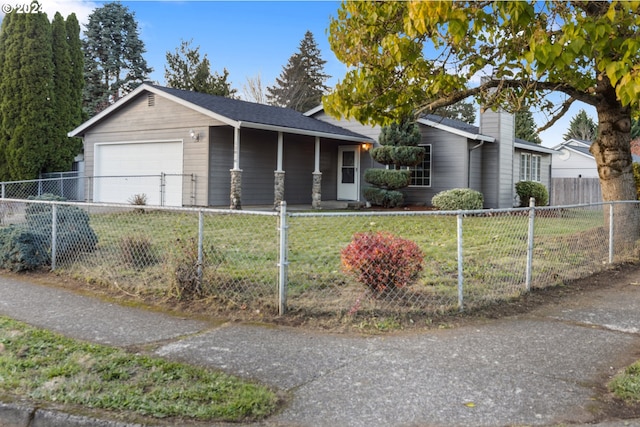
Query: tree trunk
612, 152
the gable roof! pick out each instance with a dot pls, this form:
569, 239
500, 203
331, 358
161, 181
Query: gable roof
234, 112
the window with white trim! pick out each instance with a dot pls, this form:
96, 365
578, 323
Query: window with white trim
530, 167
421, 174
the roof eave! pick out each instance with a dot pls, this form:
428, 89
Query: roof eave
468, 135
297, 131
539, 149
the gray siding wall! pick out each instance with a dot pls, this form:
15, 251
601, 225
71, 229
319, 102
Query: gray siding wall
258, 151
329, 164
164, 120
545, 169
497, 157
221, 162
258, 161
449, 170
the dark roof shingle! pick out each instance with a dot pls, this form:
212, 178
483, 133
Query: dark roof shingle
249, 112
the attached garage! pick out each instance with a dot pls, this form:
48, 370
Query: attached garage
125, 169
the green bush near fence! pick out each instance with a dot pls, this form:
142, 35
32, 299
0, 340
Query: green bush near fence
28, 246
21, 250
528, 189
458, 199
73, 232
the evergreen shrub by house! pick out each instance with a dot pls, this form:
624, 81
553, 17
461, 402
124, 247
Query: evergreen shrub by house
386, 198
527, 189
398, 150
458, 199
382, 262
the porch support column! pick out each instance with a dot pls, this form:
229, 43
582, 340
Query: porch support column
316, 191
236, 174
278, 179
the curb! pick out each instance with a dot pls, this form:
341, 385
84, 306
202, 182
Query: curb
20, 415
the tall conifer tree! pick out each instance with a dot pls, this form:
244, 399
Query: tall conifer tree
526, 127
114, 64
27, 105
582, 127
38, 104
302, 81
62, 96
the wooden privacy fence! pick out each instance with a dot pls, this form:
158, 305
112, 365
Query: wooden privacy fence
574, 191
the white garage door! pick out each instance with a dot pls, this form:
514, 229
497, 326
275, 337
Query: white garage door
123, 170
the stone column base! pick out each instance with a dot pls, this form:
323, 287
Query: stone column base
236, 189
278, 188
316, 192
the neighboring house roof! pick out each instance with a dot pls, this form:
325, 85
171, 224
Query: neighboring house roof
575, 145
582, 147
235, 113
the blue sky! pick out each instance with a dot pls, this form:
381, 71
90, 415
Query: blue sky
248, 38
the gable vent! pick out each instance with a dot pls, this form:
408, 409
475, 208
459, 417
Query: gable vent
151, 100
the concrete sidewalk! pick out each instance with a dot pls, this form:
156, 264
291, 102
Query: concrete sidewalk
542, 368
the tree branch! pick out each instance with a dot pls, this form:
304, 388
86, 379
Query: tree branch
555, 118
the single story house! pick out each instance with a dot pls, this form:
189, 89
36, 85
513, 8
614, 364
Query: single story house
574, 160
487, 158
215, 151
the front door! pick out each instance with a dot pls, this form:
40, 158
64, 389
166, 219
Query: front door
349, 172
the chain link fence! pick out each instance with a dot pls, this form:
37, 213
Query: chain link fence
266, 263
160, 190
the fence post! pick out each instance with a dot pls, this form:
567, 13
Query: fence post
54, 235
532, 217
3, 188
611, 233
200, 244
283, 263
162, 184
460, 263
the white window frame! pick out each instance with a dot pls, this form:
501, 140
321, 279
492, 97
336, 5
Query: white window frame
426, 161
530, 167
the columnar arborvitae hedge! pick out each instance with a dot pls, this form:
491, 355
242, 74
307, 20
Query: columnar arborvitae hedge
37, 103
398, 150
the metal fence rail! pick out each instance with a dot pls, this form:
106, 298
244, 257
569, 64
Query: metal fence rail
268, 263
160, 190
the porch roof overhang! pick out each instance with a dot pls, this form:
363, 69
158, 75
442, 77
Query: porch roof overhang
284, 129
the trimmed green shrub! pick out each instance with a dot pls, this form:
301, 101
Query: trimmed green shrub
389, 179
382, 262
458, 199
382, 155
382, 197
408, 156
527, 189
20, 250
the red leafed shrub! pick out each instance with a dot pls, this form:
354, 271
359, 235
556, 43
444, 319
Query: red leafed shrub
381, 261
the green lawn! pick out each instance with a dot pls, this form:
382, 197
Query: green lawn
241, 255
44, 366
